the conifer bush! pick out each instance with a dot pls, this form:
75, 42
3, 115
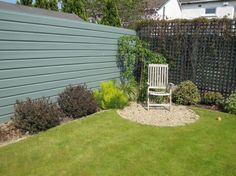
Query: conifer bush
110, 96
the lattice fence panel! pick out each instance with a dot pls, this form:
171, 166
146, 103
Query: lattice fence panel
203, 51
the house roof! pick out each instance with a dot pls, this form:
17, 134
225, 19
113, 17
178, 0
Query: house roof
201, 1
155, 4
37, 11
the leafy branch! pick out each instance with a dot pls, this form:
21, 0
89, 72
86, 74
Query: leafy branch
133, 58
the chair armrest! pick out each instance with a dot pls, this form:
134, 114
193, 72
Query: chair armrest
148, 83
170, 86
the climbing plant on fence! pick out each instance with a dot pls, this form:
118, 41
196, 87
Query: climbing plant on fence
133, 59
200, 50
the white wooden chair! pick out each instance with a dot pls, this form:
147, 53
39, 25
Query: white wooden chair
158, 83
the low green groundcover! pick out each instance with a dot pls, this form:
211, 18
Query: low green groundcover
105, 144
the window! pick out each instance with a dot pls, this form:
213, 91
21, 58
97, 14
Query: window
210, 10
235, 12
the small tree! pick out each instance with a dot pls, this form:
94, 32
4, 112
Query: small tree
47, 4
94, 8
53, 5
25, 2
75, 6
110, 14
41, 4
130, 10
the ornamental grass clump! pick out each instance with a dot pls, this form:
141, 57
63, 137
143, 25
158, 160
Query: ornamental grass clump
230, 103
110, 96
37, 115
186, 93
77, 101
131, 89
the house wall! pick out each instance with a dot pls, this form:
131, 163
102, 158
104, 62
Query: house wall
190, 11
40, 56
172, 10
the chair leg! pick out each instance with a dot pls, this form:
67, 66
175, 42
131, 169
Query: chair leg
148, 101
170, 102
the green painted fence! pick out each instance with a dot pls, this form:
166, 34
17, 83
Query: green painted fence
40, 56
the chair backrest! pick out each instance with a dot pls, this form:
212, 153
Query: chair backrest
158, 76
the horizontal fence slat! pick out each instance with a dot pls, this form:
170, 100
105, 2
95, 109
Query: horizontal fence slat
17, 64
26, 36
30, 72
40, 28
5, 118
53, 46
54, 54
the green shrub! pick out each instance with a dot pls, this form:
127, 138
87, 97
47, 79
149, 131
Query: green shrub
36, 115
213, 98
230, 104
186, 93
110, 96
77, 101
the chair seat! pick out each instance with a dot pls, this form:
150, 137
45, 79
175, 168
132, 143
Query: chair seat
159, 93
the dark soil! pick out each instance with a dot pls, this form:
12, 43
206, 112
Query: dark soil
8, 132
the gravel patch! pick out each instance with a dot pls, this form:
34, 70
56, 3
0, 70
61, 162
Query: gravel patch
178, 116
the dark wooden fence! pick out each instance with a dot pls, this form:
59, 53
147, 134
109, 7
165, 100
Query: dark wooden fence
203, 51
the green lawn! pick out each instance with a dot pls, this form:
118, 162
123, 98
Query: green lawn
105, 144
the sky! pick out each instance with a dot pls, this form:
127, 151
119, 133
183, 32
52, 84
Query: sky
10, 1
14, 2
